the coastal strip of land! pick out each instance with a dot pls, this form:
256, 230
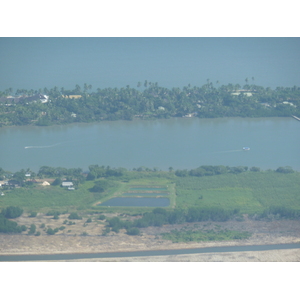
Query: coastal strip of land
263, 233
170, 252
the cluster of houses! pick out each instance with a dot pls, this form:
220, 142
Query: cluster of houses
24, 99
247, 93
14, 183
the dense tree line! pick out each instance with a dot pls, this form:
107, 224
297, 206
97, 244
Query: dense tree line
278, 212
150, 101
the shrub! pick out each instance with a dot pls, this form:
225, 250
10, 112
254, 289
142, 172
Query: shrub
42, 225
38, 233
133, 231
33, 214
255, 169
285, 170
141, 223
23, 228
91, 176
114, 222
57, 181
106, 231
50, 231
159, 210
52, 213
56, 216
100, 186
74, 216
116, 229
8, 226
89, 220
32, 229
101, 217
84, 234
12, 212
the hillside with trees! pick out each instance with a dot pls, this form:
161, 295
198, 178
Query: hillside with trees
147, 101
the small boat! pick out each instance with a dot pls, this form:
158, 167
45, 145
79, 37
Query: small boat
246, 148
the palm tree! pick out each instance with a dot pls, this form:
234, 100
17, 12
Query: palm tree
77, 88
85, 88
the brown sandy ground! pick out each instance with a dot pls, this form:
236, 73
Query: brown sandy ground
70, 240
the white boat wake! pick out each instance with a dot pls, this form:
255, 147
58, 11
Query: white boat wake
50, 146
238, 150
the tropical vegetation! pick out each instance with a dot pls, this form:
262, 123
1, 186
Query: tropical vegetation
148, 100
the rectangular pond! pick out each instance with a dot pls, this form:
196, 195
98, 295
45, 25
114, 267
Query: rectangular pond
137, 201
145, 194
147, 189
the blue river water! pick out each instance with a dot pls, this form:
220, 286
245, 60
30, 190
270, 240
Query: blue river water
180, 143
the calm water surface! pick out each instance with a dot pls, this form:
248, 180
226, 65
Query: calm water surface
179, 143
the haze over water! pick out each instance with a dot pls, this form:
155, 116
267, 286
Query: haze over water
33, 63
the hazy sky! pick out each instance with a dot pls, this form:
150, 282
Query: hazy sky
34, 63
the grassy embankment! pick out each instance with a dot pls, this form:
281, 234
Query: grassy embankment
250, 192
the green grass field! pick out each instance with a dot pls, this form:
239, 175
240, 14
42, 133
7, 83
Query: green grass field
251, 192
44, 197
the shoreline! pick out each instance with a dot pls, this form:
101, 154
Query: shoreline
297, 242
164, 246
138, 119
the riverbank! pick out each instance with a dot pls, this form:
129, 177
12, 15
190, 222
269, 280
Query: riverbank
263, 233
